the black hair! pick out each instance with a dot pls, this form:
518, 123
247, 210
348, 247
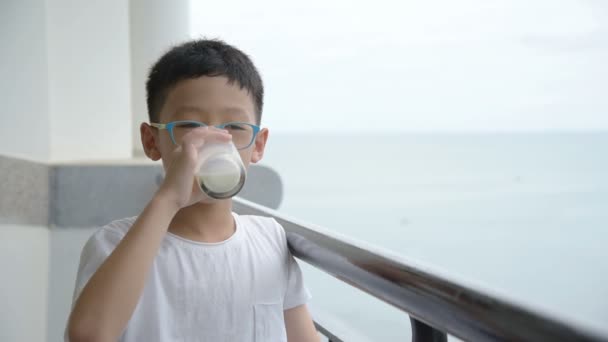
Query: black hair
203, 57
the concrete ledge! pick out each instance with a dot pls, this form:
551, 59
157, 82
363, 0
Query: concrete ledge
24, 192
89, 195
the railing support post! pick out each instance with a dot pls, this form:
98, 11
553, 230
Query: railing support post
425, 333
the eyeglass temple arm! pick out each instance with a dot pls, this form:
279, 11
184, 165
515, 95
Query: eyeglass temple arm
158, 125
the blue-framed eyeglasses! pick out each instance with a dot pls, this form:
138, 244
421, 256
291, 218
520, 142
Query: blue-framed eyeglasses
243, 134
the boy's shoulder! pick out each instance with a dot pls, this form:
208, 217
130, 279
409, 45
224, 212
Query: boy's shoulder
262, 227
105, 238
117, 227
112, 233
259, 222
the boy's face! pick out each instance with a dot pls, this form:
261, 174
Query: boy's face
211, 100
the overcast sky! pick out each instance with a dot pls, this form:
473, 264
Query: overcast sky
422, 65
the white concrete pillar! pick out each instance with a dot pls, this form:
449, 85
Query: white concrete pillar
156, 25
65, 95
24, 115
89, 76
65, 85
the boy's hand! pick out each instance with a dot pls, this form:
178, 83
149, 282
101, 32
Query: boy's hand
107, 301
179, 186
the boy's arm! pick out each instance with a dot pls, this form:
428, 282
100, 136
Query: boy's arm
299, 325
107, 302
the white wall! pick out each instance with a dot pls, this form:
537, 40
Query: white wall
89, 79
65, 85
24, 131
24, 263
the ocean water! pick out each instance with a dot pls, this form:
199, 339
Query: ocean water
525, 215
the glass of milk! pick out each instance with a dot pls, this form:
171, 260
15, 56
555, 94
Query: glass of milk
222, 173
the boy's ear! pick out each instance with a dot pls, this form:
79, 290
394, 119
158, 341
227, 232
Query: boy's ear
260, 145
148, 141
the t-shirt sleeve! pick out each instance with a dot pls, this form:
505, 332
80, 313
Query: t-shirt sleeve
296, 293
99, 246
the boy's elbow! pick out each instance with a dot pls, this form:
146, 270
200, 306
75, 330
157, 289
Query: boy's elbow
79, 330
78, 334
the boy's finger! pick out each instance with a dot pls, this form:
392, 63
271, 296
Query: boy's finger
195, 132
203, 132
191, 148
219, 136
208, 136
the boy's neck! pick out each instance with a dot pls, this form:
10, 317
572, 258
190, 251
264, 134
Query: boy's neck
205, 222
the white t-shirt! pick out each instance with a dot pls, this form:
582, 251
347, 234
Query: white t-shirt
235, 290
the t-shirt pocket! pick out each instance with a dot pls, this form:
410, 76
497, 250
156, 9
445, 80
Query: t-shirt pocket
269, 323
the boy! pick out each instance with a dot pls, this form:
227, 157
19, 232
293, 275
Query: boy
187, 268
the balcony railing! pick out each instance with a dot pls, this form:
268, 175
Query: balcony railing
437, 305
